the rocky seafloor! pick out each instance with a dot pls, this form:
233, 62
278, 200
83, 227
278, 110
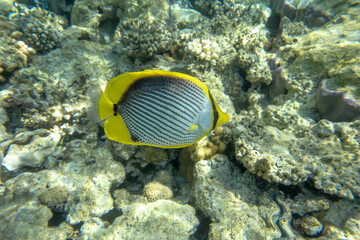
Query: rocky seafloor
287, 165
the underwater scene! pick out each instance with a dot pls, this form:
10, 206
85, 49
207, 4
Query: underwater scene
180, 119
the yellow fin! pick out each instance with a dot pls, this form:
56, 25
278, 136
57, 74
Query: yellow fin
223, 117
192, 128
105, 107
115, 129
118, 86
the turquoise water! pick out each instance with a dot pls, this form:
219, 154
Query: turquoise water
286, 165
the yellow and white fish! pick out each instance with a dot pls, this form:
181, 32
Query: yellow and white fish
158, 108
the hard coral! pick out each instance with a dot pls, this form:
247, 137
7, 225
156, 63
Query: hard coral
206, 148
14, 53
335, 106
42, 29
155, 190
252, 57
143, 40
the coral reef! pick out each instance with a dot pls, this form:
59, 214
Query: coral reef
282, 142
160, 220
280, 169
154, 191
206, 148
276, 148
236, 212
149, 39
229, 13
29, 149
309, 226
205, 50
6, 7
335, 106
311, 16
209, 53
80, 187
252, 57
42, 29
160, 187
14, 53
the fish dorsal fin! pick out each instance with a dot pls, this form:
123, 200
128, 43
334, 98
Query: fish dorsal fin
118, 86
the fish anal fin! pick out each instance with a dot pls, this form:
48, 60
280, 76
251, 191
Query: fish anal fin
115, 130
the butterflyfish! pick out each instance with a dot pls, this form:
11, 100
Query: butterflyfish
158, 108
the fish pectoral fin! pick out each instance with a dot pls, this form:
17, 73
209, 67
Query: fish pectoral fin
192, 127
115, 129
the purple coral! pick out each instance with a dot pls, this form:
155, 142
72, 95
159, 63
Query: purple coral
334, 106
277, 85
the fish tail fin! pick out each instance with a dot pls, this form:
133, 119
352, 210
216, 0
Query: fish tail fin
105, 107
223, 118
